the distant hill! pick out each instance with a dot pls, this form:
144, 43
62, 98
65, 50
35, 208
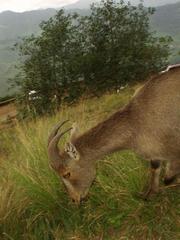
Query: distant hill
83, 4
166, 21
154, 3
13, 26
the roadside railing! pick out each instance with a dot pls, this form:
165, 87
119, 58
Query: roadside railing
3, 103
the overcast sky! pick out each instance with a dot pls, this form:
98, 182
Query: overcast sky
25, 5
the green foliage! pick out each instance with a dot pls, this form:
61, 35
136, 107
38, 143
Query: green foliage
88, 55
121, 48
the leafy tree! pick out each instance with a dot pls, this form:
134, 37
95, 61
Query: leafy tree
49, 65
77, 55
120, 46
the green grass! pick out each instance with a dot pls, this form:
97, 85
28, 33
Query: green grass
34, 205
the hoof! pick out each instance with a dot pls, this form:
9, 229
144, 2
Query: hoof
147, 195
169, 180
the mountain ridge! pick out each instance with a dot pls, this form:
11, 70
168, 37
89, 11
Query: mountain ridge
81, 4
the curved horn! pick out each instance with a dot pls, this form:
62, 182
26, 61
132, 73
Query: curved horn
74, 132
55, 130
53, 150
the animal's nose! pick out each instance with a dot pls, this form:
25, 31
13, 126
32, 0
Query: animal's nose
76, 201
79, 201
84, 199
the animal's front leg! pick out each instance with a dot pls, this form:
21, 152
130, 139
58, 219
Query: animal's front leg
153, 187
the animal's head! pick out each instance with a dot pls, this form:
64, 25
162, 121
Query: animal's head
71, 165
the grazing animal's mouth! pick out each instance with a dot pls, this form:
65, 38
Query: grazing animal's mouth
82, 198
80, 201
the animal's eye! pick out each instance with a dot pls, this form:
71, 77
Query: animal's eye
67, 175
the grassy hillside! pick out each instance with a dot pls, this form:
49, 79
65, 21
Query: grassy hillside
34, 205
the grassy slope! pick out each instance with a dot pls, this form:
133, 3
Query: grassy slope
34, 206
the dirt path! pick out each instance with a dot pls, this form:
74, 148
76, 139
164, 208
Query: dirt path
7, 112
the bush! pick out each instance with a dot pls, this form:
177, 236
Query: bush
76, 55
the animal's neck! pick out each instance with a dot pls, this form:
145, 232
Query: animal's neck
107, 137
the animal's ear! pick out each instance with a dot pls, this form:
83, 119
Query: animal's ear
74, 132
71, 150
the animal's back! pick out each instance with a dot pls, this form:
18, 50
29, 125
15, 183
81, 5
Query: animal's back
156, 115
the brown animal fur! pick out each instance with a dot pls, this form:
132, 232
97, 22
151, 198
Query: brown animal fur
148, 125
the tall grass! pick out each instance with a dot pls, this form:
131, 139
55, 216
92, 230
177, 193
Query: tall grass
34, 206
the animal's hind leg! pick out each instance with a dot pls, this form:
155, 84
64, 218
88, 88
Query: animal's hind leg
153, 187
172, 172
